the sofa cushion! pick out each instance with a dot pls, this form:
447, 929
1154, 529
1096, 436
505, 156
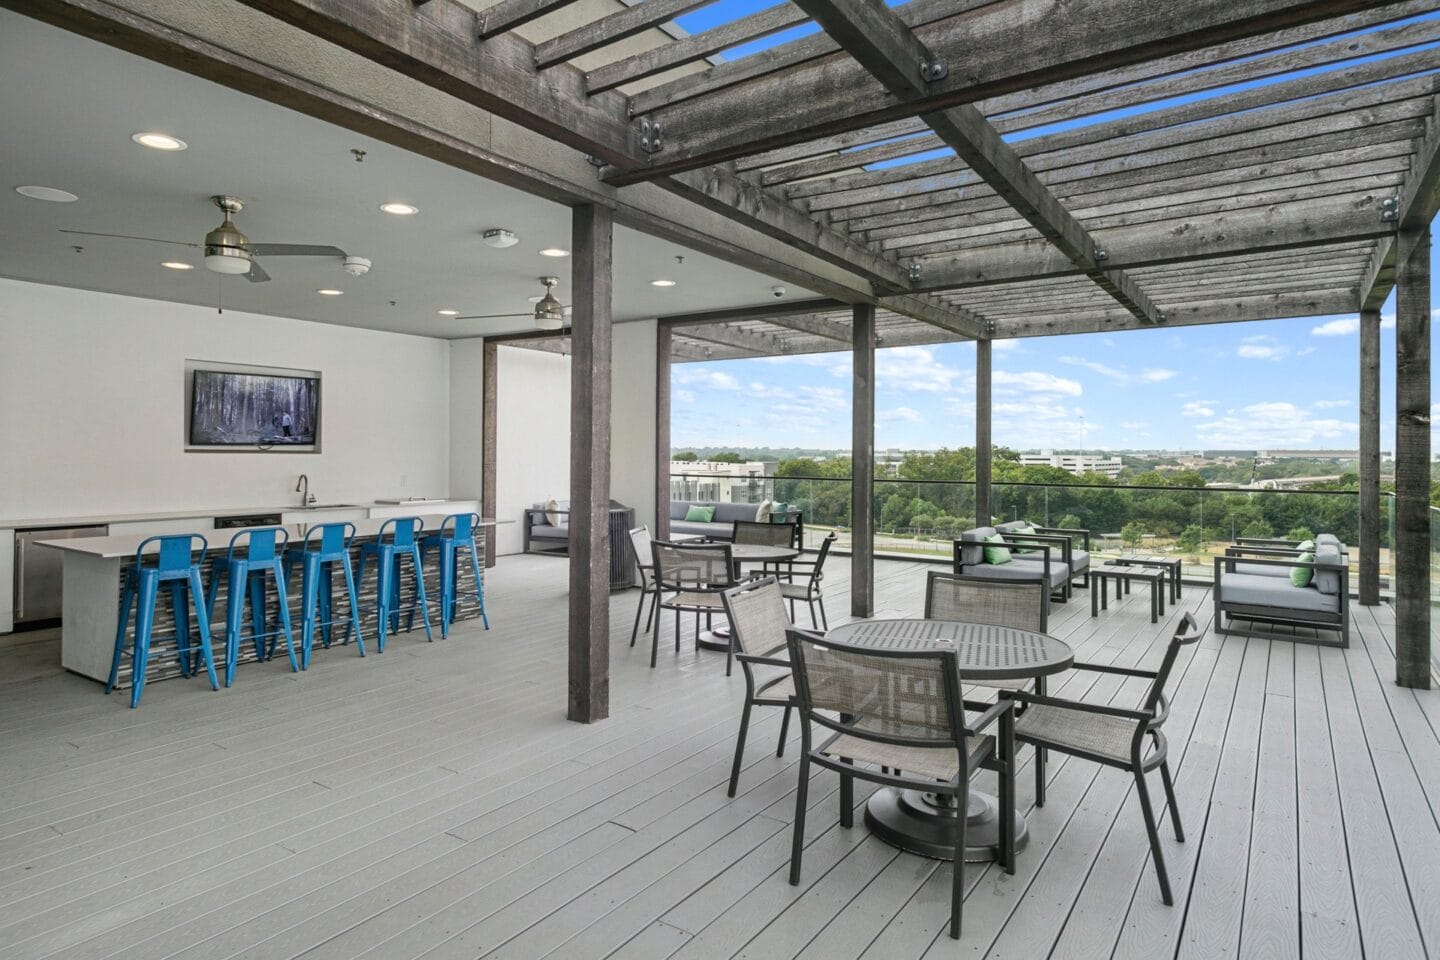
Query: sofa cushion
547, 531
974, 555
1323, 538
1262, 569
692, 528
552, 512
678, 509
1020, 569
1301, 576
699, 514
762, 515
730, 512
1328, 581
1012, 526
1275, 592
1079, 560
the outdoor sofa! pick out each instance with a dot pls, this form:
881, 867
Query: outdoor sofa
1061, 540
722, 525
1039, 564
1260, 589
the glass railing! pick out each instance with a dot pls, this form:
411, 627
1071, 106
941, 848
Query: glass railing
921, 518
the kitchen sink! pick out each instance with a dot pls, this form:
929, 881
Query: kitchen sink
329, 506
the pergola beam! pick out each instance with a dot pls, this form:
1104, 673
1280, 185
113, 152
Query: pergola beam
815, 326
1415, 208
507, 14
728, 336
995, 49
607, 30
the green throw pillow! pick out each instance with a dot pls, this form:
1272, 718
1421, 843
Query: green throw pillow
1305, 546
700, 514
1301, 576
779, 512
996, 554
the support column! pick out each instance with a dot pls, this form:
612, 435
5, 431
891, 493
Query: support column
662, 433
1412, 459
862, 466
489, 441
984, 445
590, 339
1369, 457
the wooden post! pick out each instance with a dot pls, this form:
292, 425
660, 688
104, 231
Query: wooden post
489, 441
862, 466
592, 238
662, 433
1411, 550
984, 446
1370, 457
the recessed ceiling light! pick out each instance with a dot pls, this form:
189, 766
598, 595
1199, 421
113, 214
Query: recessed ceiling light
662, 283
158, 141
554, 252
448, 313
400, 209
500, 239
328, 292
47, 193
177, 265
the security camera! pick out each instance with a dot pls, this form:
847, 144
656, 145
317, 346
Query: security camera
357, 266
777, 291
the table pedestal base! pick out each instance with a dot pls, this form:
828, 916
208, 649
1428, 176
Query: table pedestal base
924, 823
717, 639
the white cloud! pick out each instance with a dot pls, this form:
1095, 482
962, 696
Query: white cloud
1148, 375
1198, 408
1347, 326
899, 414
683, 396
1004, 346
1262, 347
1327, 404
1133, 425
909, 369
694, 374
1274, 424
1035, 381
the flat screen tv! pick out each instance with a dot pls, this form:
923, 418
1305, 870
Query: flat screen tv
247, 409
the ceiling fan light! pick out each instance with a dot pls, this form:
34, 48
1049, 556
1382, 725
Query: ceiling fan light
230, 260
549, 313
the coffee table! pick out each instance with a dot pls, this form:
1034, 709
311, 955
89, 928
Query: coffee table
1172, 564
924, 823
1122, 575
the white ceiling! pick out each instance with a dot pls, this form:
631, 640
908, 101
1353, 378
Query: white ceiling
71, 104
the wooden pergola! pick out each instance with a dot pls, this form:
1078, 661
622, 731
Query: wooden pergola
940, 170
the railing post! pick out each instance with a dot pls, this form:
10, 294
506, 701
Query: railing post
862, 465
984, 447
1370, 457
1411, 551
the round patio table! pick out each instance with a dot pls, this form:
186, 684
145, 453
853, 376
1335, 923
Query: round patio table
718, 638
924, 823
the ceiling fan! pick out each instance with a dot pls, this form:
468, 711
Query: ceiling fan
549, 313
228, 251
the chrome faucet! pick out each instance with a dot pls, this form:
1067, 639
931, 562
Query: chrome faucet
302, 487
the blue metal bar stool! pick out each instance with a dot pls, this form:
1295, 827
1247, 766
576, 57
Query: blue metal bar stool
456, 531
318, 557
173, 566
263, 547
387, 553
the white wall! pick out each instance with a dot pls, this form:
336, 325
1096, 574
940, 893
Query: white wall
467, 417
632, 419
92, 407
533, 444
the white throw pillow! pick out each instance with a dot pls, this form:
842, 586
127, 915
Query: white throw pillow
762, 515
552, 512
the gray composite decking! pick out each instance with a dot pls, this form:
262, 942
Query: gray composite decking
433, 802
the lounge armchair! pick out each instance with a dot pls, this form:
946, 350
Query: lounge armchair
1041, 564
1324, 603
1062, 539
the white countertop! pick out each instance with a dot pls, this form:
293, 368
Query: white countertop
106, 518
125, 544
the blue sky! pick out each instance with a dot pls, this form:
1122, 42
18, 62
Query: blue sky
1280, 383
1271, 384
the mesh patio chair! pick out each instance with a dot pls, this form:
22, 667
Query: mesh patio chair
804, 584
1022, 604
752, 533
898, 710
694, 575
756, 610
645, 563
1114, 736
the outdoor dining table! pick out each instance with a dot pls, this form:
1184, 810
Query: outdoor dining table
718, 638
921, 822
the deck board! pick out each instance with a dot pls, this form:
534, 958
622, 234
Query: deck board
433, 802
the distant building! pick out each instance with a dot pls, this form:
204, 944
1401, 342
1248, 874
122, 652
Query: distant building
1076, 463
720, 482
1273, 455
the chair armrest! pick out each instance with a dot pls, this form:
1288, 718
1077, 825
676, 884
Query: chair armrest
1021, 696
1071, 532
762, 661
994, 712
1107, 668
1041, 540
1244, 551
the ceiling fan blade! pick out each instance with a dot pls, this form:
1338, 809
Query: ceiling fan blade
294, 250
257, 273
494, 316
126, 236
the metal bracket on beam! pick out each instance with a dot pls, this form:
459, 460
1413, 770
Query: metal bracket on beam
989, 328
1390, 210
933, 70
652, 136
1101, 255
915, 272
